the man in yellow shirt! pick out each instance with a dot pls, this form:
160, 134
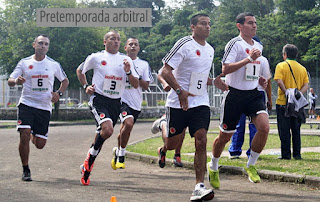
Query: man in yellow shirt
285, 81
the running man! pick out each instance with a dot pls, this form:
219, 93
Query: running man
36, 74
241, 64
131, 102
111, 70
161, 125
186, 69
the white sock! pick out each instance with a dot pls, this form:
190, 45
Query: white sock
199, 186
253, 158
214, 164
122, 151
93, 152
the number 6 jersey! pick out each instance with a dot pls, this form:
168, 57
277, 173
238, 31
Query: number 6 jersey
39, 75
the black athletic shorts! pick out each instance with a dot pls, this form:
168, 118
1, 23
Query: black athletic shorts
194, 118
126, 112
104, 109
36, 119
237, 102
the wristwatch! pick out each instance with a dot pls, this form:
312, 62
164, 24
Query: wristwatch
85, 86
60, 93
178, 91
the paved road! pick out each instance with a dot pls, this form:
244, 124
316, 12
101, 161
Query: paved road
55, 171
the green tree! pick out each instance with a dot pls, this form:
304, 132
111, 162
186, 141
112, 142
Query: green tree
69, 46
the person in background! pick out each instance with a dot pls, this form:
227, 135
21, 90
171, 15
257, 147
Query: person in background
312, 103
161, 125
131, 101
287, 81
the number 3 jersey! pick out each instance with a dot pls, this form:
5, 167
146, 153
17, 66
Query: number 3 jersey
109, 77
191, 63
39, 75
245, 78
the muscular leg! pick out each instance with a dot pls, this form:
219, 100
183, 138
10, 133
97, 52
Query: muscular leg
219, 143
171, 143
261, 121
125, 131
38, 142
179, 145
200, 157
24, 148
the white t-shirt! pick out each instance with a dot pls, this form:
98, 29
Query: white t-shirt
39, 75
109, 77
191, 63
264, 70
244, 78
133, 96
312, 98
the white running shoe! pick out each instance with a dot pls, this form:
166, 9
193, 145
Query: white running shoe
202, 194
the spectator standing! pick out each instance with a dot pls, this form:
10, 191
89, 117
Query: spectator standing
289, 74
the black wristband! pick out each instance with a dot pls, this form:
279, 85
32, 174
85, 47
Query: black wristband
85, 86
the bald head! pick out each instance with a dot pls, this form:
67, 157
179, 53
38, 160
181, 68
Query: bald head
112, 42
108, 34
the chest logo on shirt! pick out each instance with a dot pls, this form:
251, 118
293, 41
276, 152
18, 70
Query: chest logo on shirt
30, 66
103, 62
198, 52
247, 50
